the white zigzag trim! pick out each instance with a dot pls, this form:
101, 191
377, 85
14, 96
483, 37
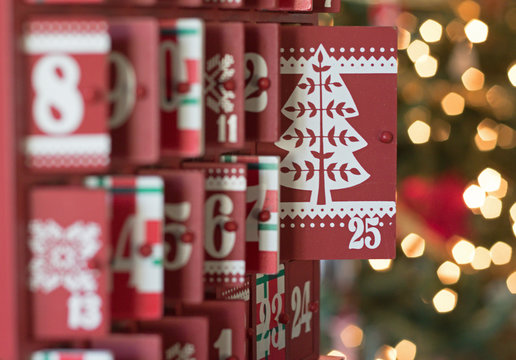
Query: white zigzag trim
339, 209
226, 267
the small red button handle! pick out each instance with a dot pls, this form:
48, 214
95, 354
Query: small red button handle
229, 85
264, 215
231, 226
145, 250
187, 237
386, 137
283, 318
264, 83
183, 87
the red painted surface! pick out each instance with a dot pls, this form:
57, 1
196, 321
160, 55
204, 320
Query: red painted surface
9, 330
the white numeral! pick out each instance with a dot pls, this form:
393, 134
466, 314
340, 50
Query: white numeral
58, 105
225, 205
258, 65
356, 225
123, 94
301, 307
123, 263
180, 213
224, 344
231, 123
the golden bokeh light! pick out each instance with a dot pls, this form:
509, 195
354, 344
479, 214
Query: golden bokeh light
336, 353
484, 145
474, 197
419, 132
406, 350
351, 336
380, 264
473, 79
512, 212
417, 49
487, 130
501, 253
413, 245
476, 31
426, 66
489, 180
407, 21
506, 137
501, 102
511, 74
431, 31
403, 39
492, 207
386, 352
455, 31
449, 273
453, 104
445, 300
468, 10
501, 191
511, 283
463, 252
514, 229
482, 258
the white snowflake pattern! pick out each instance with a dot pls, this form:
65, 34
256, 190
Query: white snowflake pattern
218, 70
175, 352
60, 255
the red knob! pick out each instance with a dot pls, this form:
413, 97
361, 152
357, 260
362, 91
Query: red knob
386, 137
313, 306
250, 332
188, 237
283, 318
145, 250
264, 83
264, 215
229, 85
230, 226
141, 92
183, 87
94, 264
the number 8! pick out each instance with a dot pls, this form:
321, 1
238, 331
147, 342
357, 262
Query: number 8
55, 80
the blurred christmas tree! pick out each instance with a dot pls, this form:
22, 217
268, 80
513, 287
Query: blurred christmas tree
449, 294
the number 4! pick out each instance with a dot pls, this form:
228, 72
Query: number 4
301, 307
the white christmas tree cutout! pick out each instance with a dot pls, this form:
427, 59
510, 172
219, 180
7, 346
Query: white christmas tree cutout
320, 141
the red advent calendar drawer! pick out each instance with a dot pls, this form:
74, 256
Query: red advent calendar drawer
183, 337
227, 332
224, 244
134, 95
184, 235
261, 82
224, 86
137, 244
68, 265
67, 354
181, 63
285, 312
67, 126
338, 147
262, 203
131, 346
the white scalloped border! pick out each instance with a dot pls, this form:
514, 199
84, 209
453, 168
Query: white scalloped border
238, 293
351, 65
338, 209
226, 183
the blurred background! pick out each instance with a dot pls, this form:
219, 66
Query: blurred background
451, 292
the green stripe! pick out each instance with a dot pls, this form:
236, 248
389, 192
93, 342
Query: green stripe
136, 190
157, 261
262, 166
267, 227
189, 101
227, 158
179, 31
259, 336
46, 355
266, 278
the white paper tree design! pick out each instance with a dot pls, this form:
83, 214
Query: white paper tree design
320, 141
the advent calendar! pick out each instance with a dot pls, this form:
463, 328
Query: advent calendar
173, 171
